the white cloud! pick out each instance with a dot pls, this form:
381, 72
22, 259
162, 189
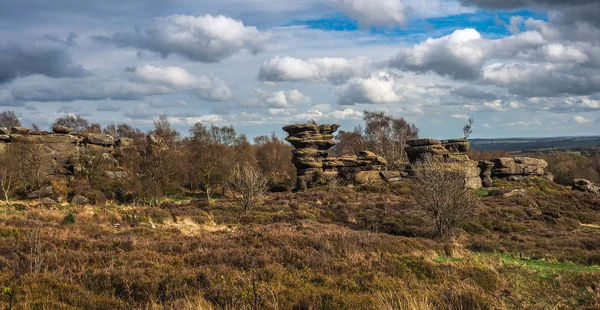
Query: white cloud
582, 120
204, 38
373, 12
332, 70
379, 88
460, 116
179, 78
276, 100
458, 55
523, 124
495, 105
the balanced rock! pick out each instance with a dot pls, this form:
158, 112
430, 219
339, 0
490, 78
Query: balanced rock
586, 186
311, 142
62, 129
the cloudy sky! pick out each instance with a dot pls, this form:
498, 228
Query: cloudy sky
520, 68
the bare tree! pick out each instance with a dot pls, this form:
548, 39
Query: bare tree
387, 136
468, 129
440, 191
249, 183
9, 119
76, 122
349, 142
274, 157
8, 175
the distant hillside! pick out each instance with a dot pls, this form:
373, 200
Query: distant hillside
588, 143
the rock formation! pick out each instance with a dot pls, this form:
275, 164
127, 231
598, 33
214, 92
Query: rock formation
451, 153
315, 166
311, 142
61, 145
520, 168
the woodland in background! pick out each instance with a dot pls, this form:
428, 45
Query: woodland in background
202, 163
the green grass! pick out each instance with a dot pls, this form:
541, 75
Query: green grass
482, 192
543, 266
548, 267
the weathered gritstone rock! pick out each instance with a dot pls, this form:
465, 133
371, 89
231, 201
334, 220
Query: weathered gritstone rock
4, 131
456, 146
418, 149
314, 166
100, 139
584, 185
520, 169
19, 130
311, 142
451, 153
486, 172
62, 129
4, 138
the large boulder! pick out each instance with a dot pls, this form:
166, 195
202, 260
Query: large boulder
62, 129
367, 177
100, 139
461, 146
19, 130
4, 131
586, 186
423, 142
523, 166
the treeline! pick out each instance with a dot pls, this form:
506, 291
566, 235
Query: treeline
162, 162
158, 163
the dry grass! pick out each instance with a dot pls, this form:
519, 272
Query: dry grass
316, 250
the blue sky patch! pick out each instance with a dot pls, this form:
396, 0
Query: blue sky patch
491, 24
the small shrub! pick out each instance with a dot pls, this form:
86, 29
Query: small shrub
69, 219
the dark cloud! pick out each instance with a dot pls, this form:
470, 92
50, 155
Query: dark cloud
567, 11
38, 57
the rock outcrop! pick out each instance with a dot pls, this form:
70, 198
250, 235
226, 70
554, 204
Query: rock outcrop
520, 168
315, 166
311, 142
452, 154
584, 185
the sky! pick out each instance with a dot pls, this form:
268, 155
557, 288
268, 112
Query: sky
519, 68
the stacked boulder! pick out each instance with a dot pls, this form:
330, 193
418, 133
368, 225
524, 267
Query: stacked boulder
520, 169
315, 167
362, 169
311, 142
451, 153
